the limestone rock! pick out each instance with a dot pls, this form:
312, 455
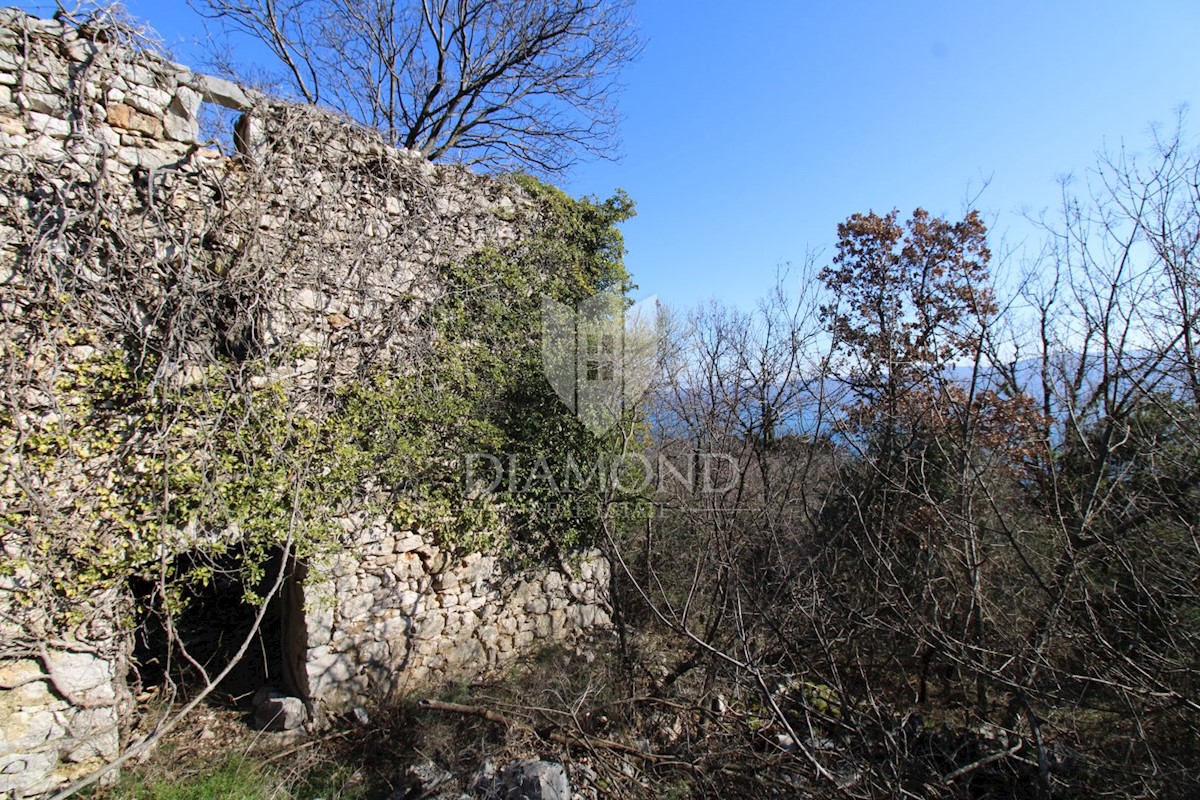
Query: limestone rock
180, 122
534, 780
276, 711
223, 93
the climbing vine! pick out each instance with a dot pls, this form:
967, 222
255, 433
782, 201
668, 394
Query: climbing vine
150, 413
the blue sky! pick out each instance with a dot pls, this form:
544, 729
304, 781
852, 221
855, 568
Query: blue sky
749, 133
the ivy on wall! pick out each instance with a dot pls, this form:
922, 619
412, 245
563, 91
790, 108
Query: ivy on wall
122, 471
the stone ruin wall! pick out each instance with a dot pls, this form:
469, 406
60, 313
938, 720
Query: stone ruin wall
395, 613
392, 612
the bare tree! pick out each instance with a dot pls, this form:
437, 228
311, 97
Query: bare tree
501, 83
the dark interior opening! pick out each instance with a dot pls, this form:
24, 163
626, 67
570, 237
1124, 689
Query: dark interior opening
208, 633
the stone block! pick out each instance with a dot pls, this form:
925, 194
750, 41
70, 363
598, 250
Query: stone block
85, 676
45, 83
465, 654
534, 780
478, 569
488, 635
124, 116
537, 605
445, 581
223, 93
181, 129
51, 126
393, 630
128, 156
42, 103
148, 100
49, 27
107, 135
372, 653
435, 560
318, 621
368, 583
30, 726
430, 625
278, 712
136, 74
96, 734
248, 137
343, 565
81, 50
410, 601
327, 668
468, 622
185, 103
27, 774
409, 542
356, 606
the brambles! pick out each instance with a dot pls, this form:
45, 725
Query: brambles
970, 553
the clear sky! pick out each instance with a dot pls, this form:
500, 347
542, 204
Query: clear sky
750, 132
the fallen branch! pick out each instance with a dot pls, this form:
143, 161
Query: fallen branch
305, 745
983, 762
570, 740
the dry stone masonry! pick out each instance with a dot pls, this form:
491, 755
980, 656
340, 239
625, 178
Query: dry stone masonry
350, 231
396, 613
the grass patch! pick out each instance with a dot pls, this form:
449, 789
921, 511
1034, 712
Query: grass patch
236, 778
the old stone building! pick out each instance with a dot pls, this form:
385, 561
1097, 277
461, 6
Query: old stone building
101, 149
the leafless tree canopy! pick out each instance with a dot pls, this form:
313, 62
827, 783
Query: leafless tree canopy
952, 546
501, 83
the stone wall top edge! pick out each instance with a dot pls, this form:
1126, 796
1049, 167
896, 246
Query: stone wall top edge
168, 75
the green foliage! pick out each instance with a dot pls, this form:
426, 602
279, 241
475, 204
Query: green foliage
156, 473
239, 778
482, 390
227, 464
235, 779
580, 253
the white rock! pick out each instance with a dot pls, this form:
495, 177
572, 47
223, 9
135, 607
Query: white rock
148, 100
223, 93
406, 544
45, 148
281, 713
180, 128
535, 780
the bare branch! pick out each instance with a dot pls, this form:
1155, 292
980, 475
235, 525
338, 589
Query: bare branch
497, 83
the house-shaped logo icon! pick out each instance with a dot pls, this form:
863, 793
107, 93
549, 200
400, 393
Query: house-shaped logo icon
600, 357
